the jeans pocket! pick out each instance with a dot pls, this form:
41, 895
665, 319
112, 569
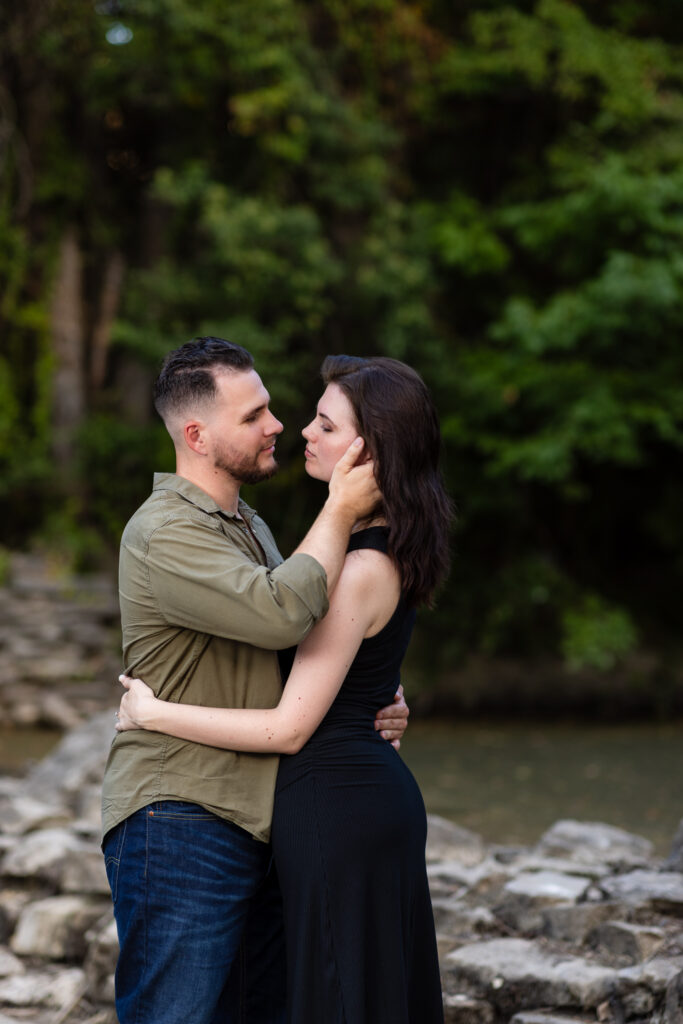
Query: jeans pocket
112, 848
180, 810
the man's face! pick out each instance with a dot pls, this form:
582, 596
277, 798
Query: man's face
240, 428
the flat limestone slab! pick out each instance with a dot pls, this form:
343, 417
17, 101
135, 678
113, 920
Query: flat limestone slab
547, 886
593, 840
548, 1018
662, 890
517, 974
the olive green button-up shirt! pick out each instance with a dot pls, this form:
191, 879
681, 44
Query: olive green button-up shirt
206, 602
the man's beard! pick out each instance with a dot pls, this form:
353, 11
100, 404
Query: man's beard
244, 470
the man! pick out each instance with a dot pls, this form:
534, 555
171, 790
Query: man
206, 603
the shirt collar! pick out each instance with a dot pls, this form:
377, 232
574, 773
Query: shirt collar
186, 489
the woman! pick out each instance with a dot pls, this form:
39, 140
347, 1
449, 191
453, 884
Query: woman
349, 824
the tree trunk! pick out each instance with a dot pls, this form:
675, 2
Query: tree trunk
67, 323
135, 379
109, 304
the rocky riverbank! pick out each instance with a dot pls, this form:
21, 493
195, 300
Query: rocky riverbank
586, 926
60, 644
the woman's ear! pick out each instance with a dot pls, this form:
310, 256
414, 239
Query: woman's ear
366, 456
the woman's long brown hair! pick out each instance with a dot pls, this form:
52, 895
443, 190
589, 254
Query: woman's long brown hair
395, 414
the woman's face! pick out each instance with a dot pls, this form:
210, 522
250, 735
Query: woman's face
329, 434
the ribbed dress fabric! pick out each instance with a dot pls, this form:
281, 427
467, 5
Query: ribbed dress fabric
349, 832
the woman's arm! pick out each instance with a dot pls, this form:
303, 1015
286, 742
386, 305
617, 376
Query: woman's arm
320, 666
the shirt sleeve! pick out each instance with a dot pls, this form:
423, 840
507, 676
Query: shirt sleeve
202, 581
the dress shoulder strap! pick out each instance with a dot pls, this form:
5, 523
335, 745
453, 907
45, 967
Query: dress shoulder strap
375, 537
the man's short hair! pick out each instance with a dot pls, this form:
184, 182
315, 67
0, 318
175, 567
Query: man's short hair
187, 376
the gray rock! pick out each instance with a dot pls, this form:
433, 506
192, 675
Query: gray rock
25, 711
41, 855
64, 663
655, 974
594, 841
59, 712
547, 887
640, 990
516, 974
485, 877
88, 809
77, 761
100, 962
12, 902
454, 916
537, 1017
56, 989
55, 927
22, 813
446, 942
584, 868
673, 1007
9, 964
674, 861
573, 924
447, 841
632, 941
660, 890
462, 1009
85, 873
525, 898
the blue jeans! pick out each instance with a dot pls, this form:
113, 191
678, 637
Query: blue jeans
199, 919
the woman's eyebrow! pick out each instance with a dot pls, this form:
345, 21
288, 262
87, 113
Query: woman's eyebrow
324, 416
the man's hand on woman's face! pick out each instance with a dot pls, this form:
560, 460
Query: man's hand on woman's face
353, 485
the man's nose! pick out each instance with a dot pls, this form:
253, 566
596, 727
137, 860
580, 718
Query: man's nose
274, 426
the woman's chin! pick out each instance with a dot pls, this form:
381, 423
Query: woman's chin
315, 472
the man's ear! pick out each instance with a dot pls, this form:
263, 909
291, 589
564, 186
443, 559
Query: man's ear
194, 436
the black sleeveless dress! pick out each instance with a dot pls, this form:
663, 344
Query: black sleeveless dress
349, 831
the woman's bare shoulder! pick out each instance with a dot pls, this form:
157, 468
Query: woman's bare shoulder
370, 577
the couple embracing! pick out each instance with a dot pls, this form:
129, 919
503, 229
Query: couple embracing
251, 887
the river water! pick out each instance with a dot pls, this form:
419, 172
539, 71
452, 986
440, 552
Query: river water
511, 781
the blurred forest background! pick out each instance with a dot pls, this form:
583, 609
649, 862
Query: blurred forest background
490, 191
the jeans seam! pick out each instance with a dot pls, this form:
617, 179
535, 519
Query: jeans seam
116, 859
145, 951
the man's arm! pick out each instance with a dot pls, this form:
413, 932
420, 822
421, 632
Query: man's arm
320, 666
200, 582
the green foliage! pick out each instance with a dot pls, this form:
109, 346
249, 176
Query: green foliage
491, 192
5, 566
117, 463
596, 634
